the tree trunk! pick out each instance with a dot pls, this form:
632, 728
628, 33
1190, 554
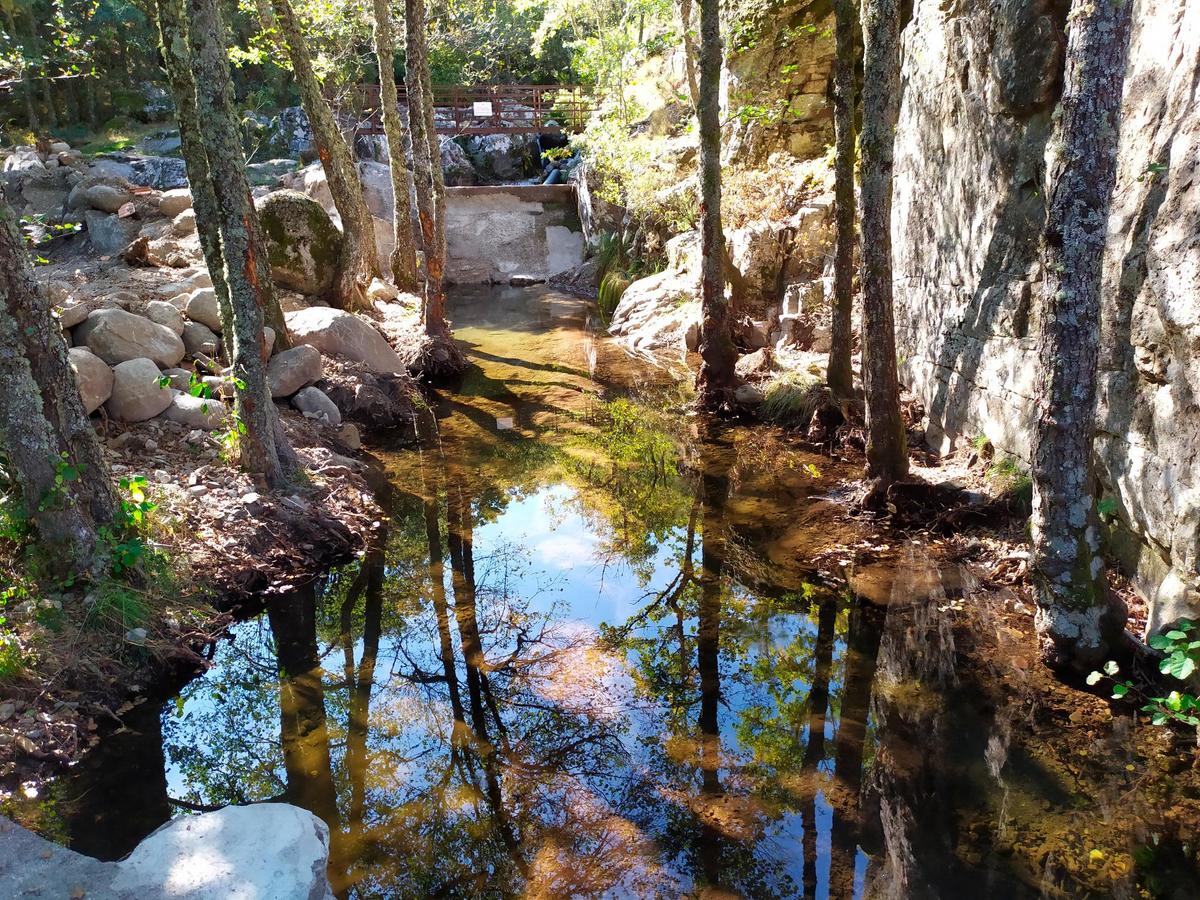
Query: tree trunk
360, 262
404, 252
887, 453
840, 376
1077, 620
264, 447
43, 428
689, 52
35, 47
31, 114
715, 382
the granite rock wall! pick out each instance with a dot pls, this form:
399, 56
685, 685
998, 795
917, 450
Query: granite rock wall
980, 85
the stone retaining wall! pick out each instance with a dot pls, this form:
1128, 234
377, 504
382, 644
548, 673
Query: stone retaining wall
498, 234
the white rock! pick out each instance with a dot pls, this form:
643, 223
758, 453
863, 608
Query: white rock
174, 201
184, 223
315, 405
290, 370
268, 341
118, 336
94, 377
202, 307
106, 197
339, 333
166, 314
136, 393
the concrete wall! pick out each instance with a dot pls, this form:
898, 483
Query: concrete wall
980, 85
497, 233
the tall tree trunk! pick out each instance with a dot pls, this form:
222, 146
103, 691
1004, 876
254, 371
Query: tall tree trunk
33, 119
840, 376
689, 51
1077, 620
887, 452
264, 447
404, 251
36, 48
43, 427
360, 263
715, 381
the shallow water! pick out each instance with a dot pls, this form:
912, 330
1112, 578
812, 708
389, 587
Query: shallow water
609, 649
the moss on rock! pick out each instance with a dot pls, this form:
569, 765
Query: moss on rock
303, 245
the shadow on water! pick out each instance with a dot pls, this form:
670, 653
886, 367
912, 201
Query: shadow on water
594, 656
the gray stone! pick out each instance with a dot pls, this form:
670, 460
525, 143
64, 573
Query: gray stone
303, 245
181, 379
136, 393
118, 336
202, 307
72, 314
165, 314
199, 338
162, 172
107, 233
184, 223
208, 413
339, 333
656, 313
106, 197
239, 853
504, 157
456, 165
290, 370
315, 405
93, 376
270, 171
24, 161
289, 134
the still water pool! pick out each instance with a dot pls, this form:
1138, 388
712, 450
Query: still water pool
607, 648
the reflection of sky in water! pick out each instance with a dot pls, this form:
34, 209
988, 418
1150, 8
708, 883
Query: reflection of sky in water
567, 577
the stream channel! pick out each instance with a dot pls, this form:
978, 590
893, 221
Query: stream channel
607, 648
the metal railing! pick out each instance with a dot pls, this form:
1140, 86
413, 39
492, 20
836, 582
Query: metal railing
491, 109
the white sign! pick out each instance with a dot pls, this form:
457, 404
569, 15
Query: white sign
483, 107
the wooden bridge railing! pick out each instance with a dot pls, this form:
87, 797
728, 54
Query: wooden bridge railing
492, 109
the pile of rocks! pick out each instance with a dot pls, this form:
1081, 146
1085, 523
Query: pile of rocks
142, 358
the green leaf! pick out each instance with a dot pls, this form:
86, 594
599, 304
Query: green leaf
1178, 665
1159, 641
1119, 691
1177, 635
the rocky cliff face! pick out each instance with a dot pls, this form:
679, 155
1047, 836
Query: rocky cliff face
980, 84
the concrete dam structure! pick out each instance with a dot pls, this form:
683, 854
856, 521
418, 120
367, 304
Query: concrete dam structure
498, 233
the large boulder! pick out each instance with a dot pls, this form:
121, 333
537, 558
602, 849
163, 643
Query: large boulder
107, 233
208, 413
162, 172
289, 134
136, 392
269, 172
174, 201
93, 376
199, 338
117, 336
238, 853
303, 245
165, 314
315, 405
659, 313
456, 165
24, 161
290, 370
106, 197
339, 333
202, 307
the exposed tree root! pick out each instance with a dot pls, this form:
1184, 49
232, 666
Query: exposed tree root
430, 356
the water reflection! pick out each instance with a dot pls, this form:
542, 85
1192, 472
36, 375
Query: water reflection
594, 656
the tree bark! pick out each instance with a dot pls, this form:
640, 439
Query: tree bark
42, 423
840, 376
689, 52
887, 452
715, 381
264, 448
360, 263
1077, 620
31, 114
404, 252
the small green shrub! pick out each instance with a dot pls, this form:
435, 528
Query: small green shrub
792, 397
1181, 658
